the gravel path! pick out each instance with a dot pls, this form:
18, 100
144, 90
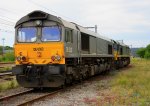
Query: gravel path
83, 94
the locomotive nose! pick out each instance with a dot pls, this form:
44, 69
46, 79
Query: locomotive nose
52, 53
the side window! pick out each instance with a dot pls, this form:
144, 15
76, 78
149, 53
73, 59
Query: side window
127, 50
121, 51
115, 46
109, 49
85, 42
118, 48
68, 36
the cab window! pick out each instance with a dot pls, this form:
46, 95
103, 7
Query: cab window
51, 33
27, 34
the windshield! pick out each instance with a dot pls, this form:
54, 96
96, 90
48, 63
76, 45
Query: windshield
51, 33
27, 34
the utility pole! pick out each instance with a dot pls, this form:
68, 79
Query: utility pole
3, 51
93, 27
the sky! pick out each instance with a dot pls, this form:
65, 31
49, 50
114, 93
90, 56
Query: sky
127, 20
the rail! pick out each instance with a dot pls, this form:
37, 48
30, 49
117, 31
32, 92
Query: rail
14, 95
40, 98
7, 62
6, 73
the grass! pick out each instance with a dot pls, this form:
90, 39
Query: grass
8, 57
8, 85
132, 86
5, 69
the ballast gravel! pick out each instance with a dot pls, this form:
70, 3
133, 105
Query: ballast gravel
84, 94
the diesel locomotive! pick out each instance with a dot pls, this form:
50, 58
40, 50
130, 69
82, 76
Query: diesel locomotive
52, 52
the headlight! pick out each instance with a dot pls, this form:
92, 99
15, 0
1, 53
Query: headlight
23, 58
53, 58
38, 22
58, 57
18, 58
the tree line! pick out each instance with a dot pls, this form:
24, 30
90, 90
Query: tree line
144, 52
6, 48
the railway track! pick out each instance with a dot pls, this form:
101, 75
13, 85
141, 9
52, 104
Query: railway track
6, 98
6, 73
27, 97
6, 64
53, 93
25, 100
26, 103
6, 76
31, 96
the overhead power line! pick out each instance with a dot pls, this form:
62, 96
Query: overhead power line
39, 5
7, 21
6, 24
10, 11
7, 17
8, 31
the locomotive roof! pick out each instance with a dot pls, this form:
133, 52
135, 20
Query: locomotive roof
122, 44
82, 29
43, 15
35, 15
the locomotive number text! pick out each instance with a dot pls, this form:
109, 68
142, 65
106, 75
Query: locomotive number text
38, 49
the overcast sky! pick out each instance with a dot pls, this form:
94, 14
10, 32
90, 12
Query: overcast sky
127, 20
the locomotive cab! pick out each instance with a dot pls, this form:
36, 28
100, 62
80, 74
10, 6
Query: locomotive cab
39, 45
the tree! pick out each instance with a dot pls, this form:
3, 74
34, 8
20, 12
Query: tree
141, 52
147, 52
8, 48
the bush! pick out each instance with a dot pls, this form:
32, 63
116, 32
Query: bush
7, 57
141, 52
147, 55
144, 52
147, 52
